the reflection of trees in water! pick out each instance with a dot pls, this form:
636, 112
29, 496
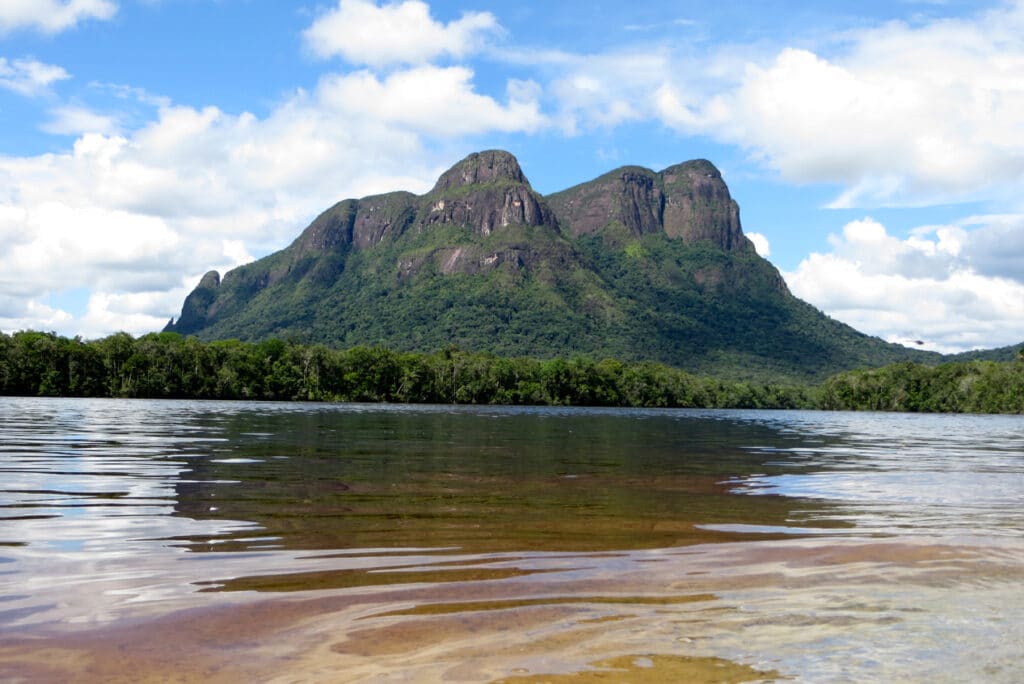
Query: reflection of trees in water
330, 478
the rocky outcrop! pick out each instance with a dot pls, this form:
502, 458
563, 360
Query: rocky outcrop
481, 168
488, 208
485, 191
361, 223
630, 197
635, 265
689, 202
197, 304
698, 206
329, 230
383, 216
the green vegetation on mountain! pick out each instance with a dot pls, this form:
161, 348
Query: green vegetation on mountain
1011, 353
636, 265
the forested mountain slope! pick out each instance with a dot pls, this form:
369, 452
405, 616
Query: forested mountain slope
636, 265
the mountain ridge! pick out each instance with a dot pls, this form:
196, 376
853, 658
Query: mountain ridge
635, 264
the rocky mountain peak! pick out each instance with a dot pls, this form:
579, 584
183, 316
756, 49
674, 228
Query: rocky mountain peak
486, 191
196, 307
688, 201
210, 280
698, 206
696, 168
479, 168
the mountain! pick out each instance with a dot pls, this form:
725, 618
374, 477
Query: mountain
636, 265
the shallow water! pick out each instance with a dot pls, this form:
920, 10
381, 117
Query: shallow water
313, 542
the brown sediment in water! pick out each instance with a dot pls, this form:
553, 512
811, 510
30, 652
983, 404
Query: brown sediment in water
654, 669
347, 579
649, 621
221, 644
428, 630
475, 606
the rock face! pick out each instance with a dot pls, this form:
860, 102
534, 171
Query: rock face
698, 206
635, 264
481, 168
196, 310
486, 191
689, 202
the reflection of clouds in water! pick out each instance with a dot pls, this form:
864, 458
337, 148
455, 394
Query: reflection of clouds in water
978, 504
920, 487
103, 475
912, 474
88, 493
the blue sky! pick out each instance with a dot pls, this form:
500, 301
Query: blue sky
876, 148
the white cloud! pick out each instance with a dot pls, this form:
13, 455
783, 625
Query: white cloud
603, 91
761, 244
29, 314
433, 99
900, 115
29, 77
996, 245
940, 285
363, 32
51, 16
896, 115
109, 312
76, 120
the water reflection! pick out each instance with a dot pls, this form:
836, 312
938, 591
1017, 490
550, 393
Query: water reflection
480, 481
342, 542
124, 497
953, 476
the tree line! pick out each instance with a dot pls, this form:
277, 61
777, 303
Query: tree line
170, 366
957, 387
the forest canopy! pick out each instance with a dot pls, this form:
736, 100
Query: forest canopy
170, 366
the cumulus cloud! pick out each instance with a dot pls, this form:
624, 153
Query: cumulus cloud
77, 120
21, 314
996, 245
761, 244
108, 311
51, 16
943, 285
898, 115
435, 100
29, 77
363, 32
604, 91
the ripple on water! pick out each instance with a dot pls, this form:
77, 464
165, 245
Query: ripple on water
339, 542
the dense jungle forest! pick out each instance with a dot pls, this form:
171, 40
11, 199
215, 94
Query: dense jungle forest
171, 366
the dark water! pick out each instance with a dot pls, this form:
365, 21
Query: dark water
299, 542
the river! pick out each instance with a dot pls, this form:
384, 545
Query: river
234, 541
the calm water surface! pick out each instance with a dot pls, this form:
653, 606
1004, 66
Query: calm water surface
150, 541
